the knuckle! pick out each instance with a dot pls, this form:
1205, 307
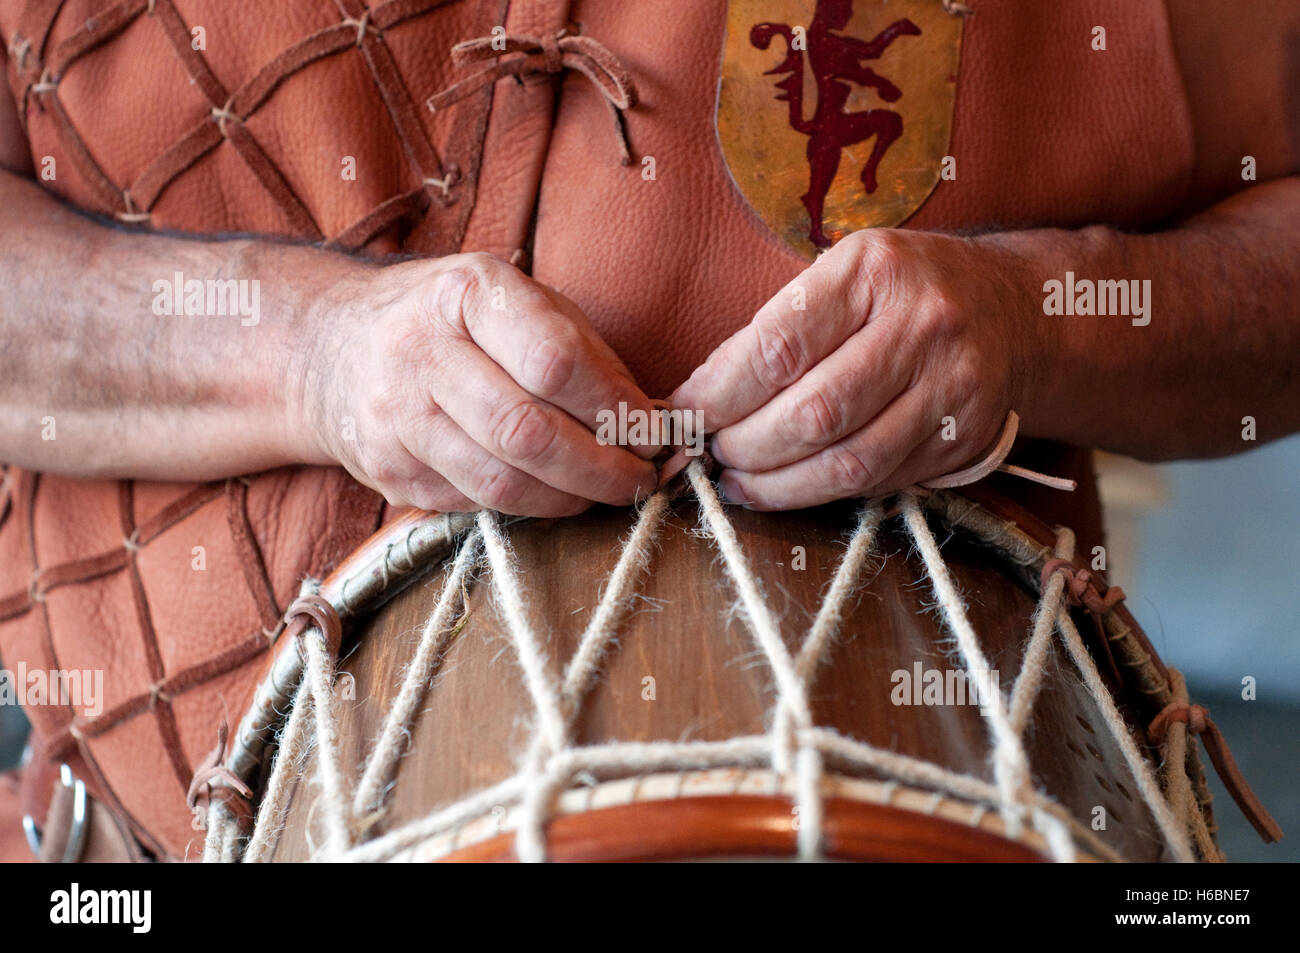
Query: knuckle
385, 400
881, 249
501, 489
383, 471
425, 491
815, 418
846, 471
523, 431
965, 376
945, 318
879, 261
548, 367
780, 354
480, 260
457, 287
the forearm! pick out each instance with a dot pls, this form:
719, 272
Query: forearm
1222, 342
104, 372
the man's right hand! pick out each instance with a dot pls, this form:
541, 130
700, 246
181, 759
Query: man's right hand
456, 383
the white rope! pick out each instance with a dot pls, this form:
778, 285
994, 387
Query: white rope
319, 675
1033, 670
509, 593
602, 628
1182, 798
1034, 667
1175, 833
1010, 764
633, 759
218, 846
295, 741
382, 765
548, 778
530, 841
790, 687
795, 747
830, 615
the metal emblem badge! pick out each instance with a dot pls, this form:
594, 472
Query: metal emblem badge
835, 115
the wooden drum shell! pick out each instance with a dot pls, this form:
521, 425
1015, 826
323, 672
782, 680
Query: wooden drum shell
711, 683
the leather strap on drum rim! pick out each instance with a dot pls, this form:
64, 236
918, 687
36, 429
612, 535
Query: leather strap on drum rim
318, 610
1198, 722
1084, 590
213, 781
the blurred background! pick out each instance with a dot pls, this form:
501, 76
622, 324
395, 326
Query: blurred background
1209, 554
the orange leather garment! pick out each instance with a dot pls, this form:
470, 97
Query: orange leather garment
249, 135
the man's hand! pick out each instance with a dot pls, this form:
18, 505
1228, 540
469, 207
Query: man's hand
893, 359
460, 382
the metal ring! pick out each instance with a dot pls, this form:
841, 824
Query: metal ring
76, 833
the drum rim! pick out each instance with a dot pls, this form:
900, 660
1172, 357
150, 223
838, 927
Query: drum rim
696, 814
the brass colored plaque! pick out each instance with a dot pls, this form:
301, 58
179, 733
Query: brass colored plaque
835, 115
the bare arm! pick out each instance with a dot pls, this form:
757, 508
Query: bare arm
444, 384
1223, 341
93, 382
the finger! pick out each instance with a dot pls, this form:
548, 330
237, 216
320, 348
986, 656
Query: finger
778, 346
931, 458
837, 397
851, 467
405, 481
547, 345
447, 453
434, 492
530, 434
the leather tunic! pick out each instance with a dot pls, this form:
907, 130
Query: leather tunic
250, 133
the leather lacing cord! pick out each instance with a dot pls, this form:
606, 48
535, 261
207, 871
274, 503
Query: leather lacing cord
1084, 590
213, 780
317, 609
1197, 720
522, 55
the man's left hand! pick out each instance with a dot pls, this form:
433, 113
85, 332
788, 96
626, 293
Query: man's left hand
891, 360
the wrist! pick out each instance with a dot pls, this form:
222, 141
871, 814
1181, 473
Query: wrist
323, 330
1056, 354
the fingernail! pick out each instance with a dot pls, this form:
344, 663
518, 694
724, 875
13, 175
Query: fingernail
647, 486
718, 458
730, 489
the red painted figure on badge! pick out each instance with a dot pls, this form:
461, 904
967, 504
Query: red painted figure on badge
835, 61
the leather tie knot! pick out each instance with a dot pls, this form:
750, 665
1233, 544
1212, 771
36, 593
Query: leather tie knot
1082, 588
523, 55
1195, 717
1197, 720
214, 781
222, 115
551, 54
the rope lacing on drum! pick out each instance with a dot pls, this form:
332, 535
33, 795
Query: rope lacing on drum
523, 55
794, 748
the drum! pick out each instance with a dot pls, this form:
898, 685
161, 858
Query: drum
930, 677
